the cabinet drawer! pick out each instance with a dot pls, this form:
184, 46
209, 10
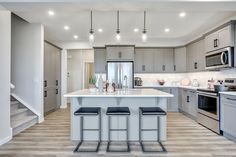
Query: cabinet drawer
228, 99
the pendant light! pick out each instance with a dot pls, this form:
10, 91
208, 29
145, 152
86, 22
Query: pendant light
91, 32
144, 35
118, 27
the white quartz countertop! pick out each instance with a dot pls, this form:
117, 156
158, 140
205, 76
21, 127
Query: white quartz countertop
168, 86
229, 93
120, 93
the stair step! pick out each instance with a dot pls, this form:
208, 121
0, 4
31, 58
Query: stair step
18, 111
18, 122
14, 102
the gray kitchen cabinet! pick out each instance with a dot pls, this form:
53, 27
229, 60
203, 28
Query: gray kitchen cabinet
220, 39
172, 103
116, 53
143, 61
189, 102
164, 60
228, 115
180, 59
100, 60
195, 56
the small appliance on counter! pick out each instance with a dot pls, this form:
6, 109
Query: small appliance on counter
138, 81
161, 82
209, 104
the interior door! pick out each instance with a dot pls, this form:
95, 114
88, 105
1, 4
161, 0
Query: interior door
51, 77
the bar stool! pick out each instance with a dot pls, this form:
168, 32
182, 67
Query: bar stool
88, 111
118, 111
151, 111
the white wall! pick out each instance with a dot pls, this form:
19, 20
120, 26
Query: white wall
27, 63
75, 67
5, 52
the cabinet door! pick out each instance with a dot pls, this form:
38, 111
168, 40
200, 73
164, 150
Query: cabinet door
138, 61
180, 59
173, 104
225, 37
148, 59
158, 60
127, 53
190, 58
113, 53
193, 103
199, 56
100, 60
168, 65
210, 42
185, 100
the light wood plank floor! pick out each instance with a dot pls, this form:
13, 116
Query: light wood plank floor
51, 139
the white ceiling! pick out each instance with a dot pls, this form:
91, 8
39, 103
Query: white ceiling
201, 16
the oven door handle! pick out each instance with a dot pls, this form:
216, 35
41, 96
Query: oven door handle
207, 94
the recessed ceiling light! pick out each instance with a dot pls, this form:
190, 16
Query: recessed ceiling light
167, 30
100, 30
51, 13
66, 27
136, 30
76, 36
182, 14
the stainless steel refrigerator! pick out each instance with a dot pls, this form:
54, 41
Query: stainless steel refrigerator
120, 72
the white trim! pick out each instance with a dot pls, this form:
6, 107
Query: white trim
63, 78
6, 139
40, 117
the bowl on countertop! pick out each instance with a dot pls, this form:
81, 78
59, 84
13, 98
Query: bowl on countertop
161, 82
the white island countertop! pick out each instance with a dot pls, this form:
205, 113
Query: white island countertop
120, 93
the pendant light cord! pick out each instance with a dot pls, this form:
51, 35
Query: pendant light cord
118, 22
91, 18
144, 22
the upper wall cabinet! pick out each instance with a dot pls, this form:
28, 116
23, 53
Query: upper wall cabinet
116, 53
220, 39
180, 59
164, 60
196, 56
100, 60
144, 60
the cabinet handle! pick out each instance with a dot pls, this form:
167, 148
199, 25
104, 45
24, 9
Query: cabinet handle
187, 98
45, 83
56, 82
119, 54
143, 67
195, 65
231, 99
45, 94
174, 67
56, 91
163, 67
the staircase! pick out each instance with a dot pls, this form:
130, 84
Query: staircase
21, 117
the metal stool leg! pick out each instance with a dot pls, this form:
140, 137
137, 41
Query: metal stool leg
108, 143
127, 133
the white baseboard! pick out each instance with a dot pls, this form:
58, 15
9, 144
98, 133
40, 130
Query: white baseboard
27, 105
6, 139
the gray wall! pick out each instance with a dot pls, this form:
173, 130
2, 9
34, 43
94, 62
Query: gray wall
5, 51
27, 63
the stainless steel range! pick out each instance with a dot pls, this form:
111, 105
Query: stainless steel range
209, 106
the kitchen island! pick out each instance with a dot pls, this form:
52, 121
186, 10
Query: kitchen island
132, 98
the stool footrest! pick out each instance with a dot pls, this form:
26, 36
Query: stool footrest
90, 130
117, 129
149, 129
109, 150
81, 142
163, 150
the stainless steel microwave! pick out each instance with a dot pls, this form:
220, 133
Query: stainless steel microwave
223, 58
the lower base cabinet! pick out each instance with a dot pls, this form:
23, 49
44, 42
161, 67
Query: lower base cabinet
172, 103
228, 114
188, 102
